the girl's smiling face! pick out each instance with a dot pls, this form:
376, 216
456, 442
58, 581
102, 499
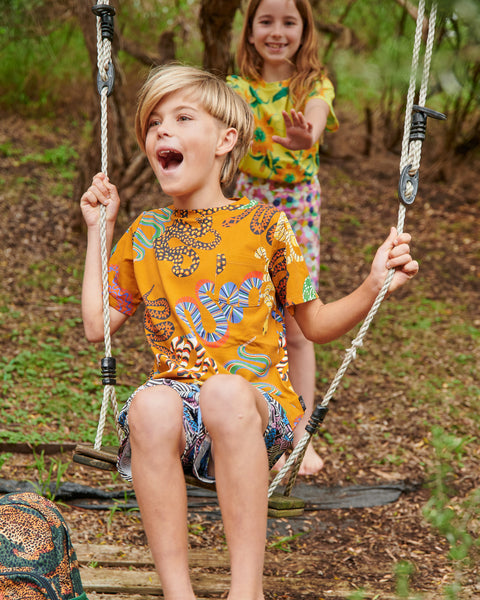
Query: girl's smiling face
277, 29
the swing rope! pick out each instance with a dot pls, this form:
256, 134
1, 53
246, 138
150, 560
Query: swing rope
409, 166
104, 23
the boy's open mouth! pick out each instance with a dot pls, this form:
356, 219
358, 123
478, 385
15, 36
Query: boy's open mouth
170, 159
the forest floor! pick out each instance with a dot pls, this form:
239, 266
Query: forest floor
416, 376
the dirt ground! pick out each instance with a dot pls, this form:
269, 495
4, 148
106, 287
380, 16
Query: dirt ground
370, 419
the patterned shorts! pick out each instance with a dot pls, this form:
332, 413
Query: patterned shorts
278, 435
301, 204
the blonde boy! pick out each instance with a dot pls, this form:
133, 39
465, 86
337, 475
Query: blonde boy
215, 275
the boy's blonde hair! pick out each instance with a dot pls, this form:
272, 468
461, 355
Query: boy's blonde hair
212, 93
307, 66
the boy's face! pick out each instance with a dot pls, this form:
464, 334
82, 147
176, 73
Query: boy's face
183, 146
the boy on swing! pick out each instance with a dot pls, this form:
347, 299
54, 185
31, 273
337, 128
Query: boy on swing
215, 275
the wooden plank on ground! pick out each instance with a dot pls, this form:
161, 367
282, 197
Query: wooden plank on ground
209, 585
109, 555
128, 585
106, 555
127, 573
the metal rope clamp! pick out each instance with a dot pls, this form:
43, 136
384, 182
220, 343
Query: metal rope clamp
106, 13
408, 184
108, 82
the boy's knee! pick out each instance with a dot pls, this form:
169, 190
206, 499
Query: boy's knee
154, 414
228, 401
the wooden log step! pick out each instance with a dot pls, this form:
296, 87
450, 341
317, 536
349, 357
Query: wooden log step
208, 585
127, 573
107, 555
100, 584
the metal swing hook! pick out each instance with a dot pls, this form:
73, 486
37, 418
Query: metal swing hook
408, 184
105, 12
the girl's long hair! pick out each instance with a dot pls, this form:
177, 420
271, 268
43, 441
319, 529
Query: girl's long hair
307, 66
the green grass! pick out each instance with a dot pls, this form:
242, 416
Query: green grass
52, 391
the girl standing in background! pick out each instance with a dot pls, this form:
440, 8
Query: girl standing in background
283, 81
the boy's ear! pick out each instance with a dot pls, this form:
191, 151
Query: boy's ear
226, 141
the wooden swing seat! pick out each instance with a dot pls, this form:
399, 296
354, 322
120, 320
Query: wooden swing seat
106, 459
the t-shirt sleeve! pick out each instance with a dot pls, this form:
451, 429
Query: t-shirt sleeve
235, 82
324, 89
288, 269
241, 86
124, 294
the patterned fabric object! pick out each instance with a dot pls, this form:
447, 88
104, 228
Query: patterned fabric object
301, 203
267, 100
278, 434
214, 283
37, 559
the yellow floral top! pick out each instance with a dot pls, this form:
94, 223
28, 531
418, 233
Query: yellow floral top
265, 159
214, 284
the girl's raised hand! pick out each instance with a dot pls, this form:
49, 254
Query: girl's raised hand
100, 192
394, 253
298, 134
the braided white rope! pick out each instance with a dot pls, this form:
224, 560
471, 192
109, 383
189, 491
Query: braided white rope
412, 85
104, 55
292, 465
413, 155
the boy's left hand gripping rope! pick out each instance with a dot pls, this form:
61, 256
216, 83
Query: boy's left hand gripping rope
106, 13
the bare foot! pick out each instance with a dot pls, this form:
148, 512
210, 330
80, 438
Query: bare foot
311, 463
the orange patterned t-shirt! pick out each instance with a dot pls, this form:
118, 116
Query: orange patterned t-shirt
214, 283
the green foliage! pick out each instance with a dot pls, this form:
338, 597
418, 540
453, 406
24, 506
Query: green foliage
403, 572
49, 477
455, 520
60, 161
38, 66
283, 542
117, 506
18, 17
138, 16
63, 382
382, 62
181, 17
4, 458
357, 595
43, 53
449, 450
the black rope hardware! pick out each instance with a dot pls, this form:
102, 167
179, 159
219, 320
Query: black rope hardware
105, 12
316, 418
109, 368
408, 184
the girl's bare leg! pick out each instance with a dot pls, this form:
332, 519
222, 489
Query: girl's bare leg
236, 415
301, 361
157, 440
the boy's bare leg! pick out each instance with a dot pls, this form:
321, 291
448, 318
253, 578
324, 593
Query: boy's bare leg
157, 440
301, 364
236, 415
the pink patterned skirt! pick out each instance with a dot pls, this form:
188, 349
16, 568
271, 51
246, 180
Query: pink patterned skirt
301, 204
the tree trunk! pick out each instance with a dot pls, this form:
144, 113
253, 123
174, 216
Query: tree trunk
216, 22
